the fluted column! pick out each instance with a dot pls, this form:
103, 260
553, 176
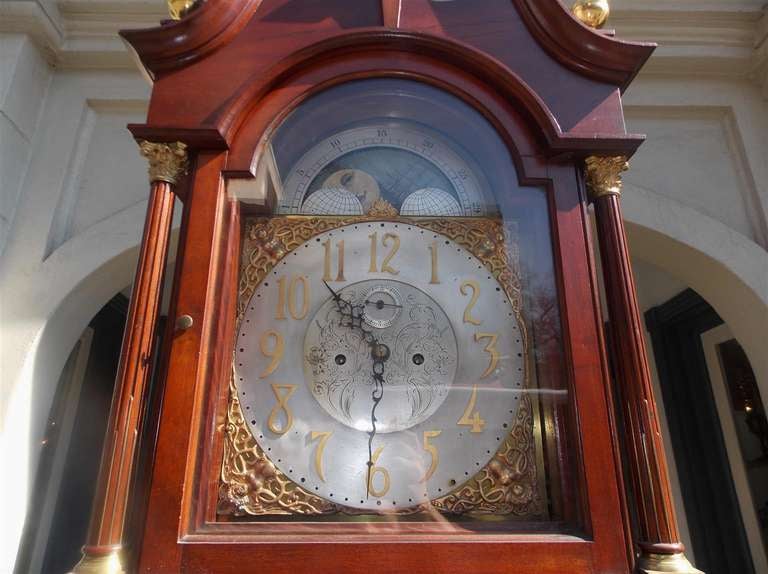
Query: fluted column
102, 551
658, 540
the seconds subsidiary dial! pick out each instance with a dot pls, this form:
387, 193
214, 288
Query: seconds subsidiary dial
380, 365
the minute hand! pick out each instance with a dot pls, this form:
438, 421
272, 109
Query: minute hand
379, 353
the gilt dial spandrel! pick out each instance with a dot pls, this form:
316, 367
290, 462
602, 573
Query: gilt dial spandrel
452, 379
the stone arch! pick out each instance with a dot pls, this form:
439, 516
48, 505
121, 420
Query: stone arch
723, 266
46, 322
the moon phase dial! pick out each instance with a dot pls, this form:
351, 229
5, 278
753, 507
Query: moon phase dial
402, 163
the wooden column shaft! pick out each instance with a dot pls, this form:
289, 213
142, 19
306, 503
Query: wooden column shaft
105, 535
658, 538
106, 527
645, 450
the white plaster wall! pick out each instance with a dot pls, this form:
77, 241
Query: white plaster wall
73, 188
61, 264
696, 196
24, 79
708, 171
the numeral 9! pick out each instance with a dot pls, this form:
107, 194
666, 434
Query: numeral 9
273, 351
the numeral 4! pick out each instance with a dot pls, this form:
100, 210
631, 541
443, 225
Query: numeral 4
471, 417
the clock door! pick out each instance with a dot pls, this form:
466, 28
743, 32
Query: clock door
402, 370
383, 365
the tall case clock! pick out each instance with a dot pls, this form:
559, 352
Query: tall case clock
385, 350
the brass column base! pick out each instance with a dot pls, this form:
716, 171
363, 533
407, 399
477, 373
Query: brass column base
664, 563
99, 563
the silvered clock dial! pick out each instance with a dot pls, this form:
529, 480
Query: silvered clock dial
379, 365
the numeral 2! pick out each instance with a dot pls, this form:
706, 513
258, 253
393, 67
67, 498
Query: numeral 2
474, 286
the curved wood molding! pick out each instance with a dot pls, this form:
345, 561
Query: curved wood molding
571, 43
382, 49
177, 44
376, 44
580, 48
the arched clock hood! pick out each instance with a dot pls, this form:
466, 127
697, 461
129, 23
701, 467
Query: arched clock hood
536, 53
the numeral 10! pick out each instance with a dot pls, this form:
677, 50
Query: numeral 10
287, 297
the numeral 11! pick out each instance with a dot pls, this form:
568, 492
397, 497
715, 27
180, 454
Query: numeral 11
328, 264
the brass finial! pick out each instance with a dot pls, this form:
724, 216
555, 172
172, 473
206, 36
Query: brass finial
167, 161
593, 13
180, 8
107, 563
603, 175
661, 563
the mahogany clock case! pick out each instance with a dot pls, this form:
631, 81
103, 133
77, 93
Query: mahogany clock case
537, 206
530, 192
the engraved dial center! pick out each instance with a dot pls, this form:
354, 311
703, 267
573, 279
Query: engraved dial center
416, 340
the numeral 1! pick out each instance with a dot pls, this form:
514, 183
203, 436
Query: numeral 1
433, 256
328, 263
